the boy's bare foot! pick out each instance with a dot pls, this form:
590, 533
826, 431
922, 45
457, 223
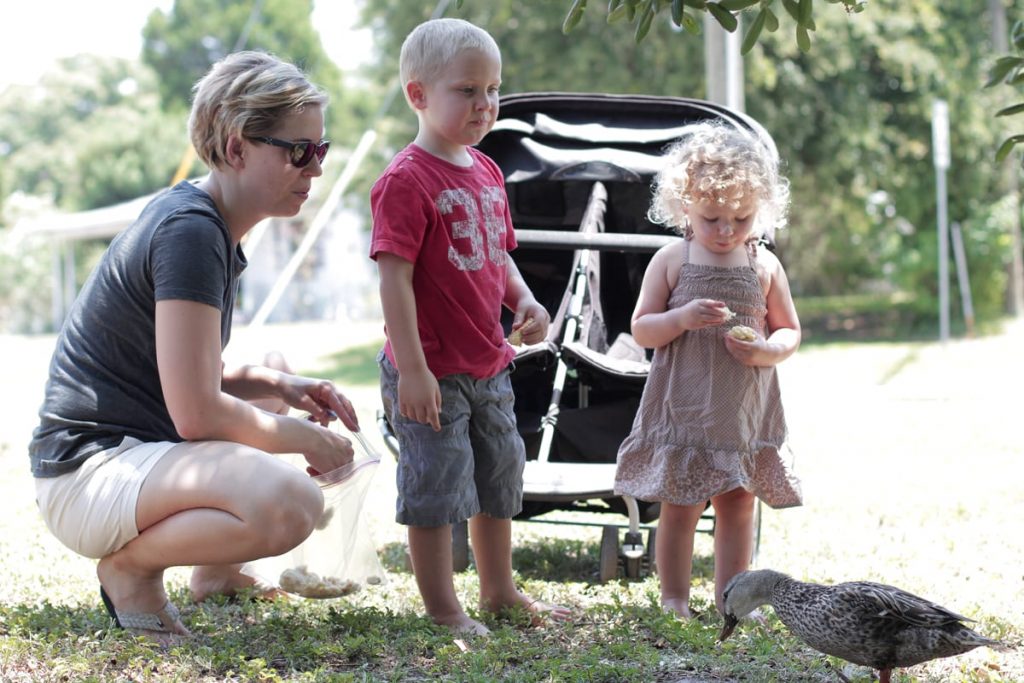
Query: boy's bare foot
678, 606
208, 581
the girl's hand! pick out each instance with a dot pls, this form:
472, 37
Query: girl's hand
320, 399
419, 398
751, 353
531, 321
701, 313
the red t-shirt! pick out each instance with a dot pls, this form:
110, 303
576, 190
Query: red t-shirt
454, 225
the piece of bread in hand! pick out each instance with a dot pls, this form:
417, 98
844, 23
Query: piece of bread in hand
742, 332
515, 338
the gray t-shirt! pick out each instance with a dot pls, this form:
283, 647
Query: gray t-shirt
104, 384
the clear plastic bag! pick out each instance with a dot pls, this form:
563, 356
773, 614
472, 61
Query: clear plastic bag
340, 556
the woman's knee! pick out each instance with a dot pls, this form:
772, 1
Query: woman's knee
288, 511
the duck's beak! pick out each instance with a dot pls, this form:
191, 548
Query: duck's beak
728, 627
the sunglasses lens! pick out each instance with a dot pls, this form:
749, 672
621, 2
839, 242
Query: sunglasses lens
302, 152
321, 150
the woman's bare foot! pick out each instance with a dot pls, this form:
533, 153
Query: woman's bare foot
130, 596
679, 606
229, 579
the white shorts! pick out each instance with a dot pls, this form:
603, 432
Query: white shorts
92, 509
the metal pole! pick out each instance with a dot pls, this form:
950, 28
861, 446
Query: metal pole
723, 65
940, 152
943, 227
960, 257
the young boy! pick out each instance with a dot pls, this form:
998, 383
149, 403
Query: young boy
441, 233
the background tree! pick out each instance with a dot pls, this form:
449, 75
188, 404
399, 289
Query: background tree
851, 117
90, 134
181, 44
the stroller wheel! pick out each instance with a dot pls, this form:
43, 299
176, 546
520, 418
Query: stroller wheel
609, 553
650, 559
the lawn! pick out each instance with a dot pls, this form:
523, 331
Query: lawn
910, 455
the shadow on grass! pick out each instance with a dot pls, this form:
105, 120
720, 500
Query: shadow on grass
550, 559
353, 366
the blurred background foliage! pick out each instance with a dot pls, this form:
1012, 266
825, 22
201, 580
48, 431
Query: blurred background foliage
851, 117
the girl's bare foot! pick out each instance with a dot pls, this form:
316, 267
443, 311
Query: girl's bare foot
679, 606
463, 625
539, 612
229, 579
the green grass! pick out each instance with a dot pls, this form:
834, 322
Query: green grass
355, 366
621, 635
880, 431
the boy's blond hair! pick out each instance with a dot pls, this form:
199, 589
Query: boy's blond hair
246, 94
432, 46
719, 163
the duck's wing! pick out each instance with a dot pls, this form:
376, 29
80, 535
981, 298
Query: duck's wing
896, 603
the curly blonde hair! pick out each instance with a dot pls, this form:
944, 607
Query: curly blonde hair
246, 94
719, 163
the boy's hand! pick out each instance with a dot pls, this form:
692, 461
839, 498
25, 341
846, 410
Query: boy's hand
531, 322
419, 397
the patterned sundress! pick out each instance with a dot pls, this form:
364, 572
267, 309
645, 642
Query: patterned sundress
708, 424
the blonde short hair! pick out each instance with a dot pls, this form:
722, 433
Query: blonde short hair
432, 46
246, 94
719, 163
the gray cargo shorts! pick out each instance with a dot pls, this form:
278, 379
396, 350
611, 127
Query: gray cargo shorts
473, 465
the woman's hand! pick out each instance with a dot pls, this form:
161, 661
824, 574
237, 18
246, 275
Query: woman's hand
320, 399
328, 452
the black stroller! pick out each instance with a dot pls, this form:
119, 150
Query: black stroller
578, 169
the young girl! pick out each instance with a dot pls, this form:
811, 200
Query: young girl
710, 423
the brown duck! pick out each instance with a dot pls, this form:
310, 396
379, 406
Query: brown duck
866, 623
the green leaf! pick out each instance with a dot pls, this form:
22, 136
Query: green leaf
737, 5
1007, 146
618, 13
771, 22
803, 40
806, 12
1002, 67
1009, 111
690, 24
677, 12
644, 25
696, 4
723, 16
574, 15
753, 32
793, 9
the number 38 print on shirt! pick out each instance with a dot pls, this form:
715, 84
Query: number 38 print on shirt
475, 227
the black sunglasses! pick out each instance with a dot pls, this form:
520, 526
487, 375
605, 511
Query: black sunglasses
299, 153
